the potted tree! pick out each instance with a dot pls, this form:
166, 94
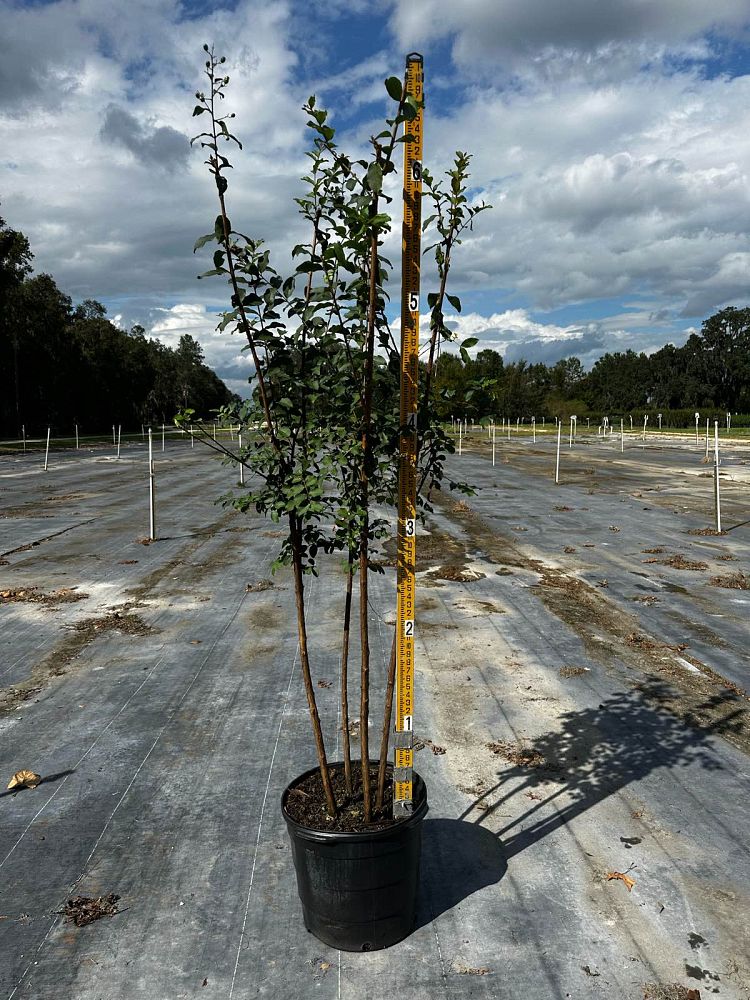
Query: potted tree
321, 440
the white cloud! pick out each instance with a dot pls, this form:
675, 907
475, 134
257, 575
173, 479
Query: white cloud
617, 168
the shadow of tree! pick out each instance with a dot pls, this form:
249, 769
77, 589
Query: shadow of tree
599, 751
595, 753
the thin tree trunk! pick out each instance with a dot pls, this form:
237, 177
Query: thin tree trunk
364, 700
344, 674
387, 713
299, 595
364, 704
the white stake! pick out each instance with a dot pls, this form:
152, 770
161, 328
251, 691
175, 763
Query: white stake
192, 439
242, 467
706, 437
645, 421
533, 428
162, 437
23, 432
660, 421
557, 464
622, 435
151, 489
717, 497
697, 418
214, 432
46, 454
570, 442
114, 436
119, 436
493, 444
76, 436
459, 437
631, 421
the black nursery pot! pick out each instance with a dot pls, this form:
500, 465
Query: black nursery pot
359, 890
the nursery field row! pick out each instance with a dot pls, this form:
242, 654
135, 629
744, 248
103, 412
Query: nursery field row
581, 721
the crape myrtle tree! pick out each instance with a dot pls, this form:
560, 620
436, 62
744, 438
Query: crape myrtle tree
322, 420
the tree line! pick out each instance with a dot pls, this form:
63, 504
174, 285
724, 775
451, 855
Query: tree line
711, 372
62, 365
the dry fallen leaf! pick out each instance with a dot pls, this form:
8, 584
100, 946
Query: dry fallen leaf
629, 882
24, 779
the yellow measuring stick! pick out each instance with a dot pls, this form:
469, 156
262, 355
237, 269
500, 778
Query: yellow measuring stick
407, 498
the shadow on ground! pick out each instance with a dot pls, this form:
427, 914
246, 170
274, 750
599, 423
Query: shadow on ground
596, 753
599, 751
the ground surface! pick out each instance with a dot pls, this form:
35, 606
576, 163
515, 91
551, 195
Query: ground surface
590, 704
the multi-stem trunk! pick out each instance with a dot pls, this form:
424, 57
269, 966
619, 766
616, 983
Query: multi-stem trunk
364, 705
299, 595
344, 674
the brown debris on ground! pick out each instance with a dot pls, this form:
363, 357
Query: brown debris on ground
680, 562
669, 991
261, 585
568, 549
734, 581
517, 753
646, 599
55, 663
572, 671
562, 508
467, 970
32, 595
643, 642
458, 574
705, 531
655, 551
84, 910
121, 620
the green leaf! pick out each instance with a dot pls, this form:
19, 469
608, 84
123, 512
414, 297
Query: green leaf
409, 112
470, 342
198, 110
456, 303
465, 357
375, 178
202, 240
219, 228
394, 87
432, 299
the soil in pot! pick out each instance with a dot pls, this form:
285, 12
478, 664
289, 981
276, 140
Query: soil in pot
305, 802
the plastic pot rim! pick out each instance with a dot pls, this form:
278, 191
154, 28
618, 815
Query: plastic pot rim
323, 836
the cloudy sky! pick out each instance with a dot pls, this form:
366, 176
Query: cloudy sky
612, 139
